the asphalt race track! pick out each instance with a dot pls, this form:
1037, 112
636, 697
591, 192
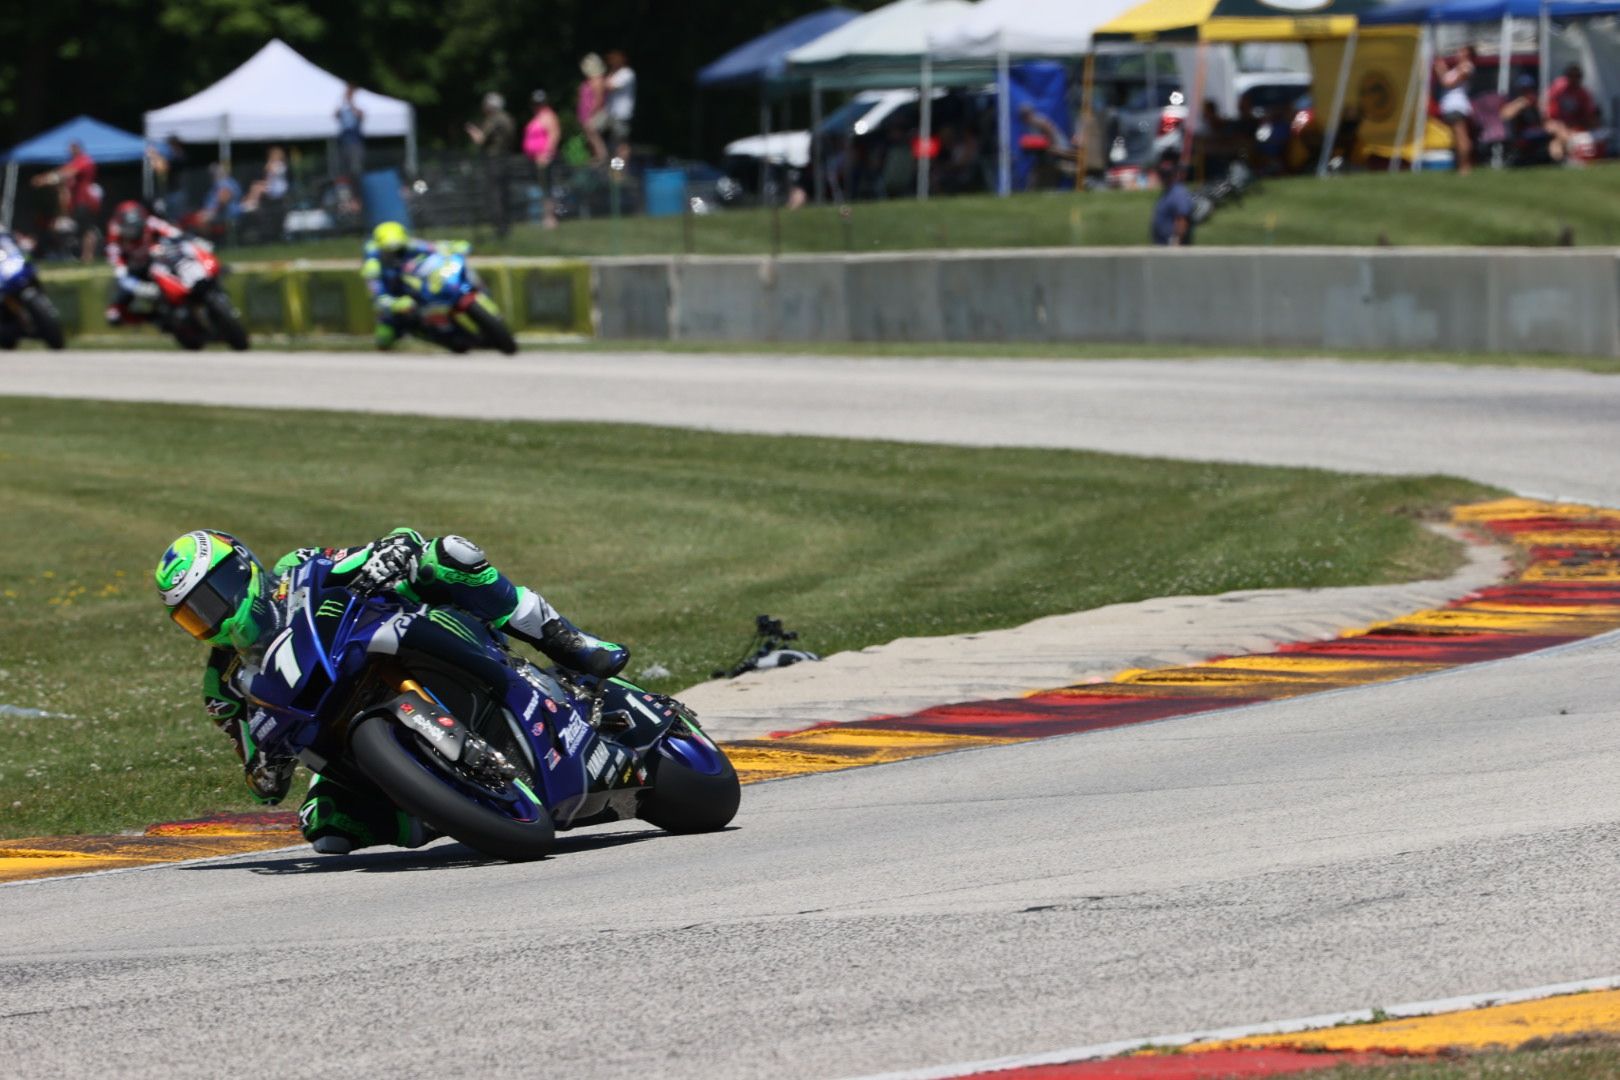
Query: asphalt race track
1446, 835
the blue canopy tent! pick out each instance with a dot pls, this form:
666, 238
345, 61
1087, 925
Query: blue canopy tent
762, 62
764, 59
1428, 13
103, 142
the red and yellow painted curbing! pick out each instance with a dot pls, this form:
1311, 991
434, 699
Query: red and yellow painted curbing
1569, 589
1575, 1016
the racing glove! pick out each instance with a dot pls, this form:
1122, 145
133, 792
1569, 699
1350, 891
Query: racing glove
402, 305
393, 560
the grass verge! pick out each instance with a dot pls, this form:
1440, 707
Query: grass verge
669, 540
1512, 207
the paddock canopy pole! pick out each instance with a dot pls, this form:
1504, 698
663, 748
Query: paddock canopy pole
1543, 54
817, 151
925, 99
1408, 106
1003, 120
1347, 60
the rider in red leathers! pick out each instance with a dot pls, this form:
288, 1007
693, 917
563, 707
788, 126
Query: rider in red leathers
132, 236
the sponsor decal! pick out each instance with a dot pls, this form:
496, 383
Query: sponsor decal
220, 707
262, 725
407, 708
599, 761
574, 734
538, 730
446, 721
551, 706
553, 759
528, 710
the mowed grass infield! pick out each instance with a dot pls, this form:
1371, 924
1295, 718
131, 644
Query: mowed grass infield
671, 541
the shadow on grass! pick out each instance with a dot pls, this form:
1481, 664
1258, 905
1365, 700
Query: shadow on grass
441, 856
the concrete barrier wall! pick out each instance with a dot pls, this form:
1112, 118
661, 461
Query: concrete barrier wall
1476, 300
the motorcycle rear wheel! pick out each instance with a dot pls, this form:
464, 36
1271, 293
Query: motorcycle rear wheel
47, 323
683, 800
417, 791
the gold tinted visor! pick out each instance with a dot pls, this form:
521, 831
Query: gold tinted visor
215, 599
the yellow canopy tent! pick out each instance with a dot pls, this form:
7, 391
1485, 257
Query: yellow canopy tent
1235, 20
1331, 29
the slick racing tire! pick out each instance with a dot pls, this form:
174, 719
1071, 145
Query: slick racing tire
495, 331
416, 789
683, 800
47, 323
227, 323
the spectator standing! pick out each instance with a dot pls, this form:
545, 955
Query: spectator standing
494, 137
621, 102
351, 137
542, 137
1172, 214
78, 196
1452, 77
1571, 109
593, 117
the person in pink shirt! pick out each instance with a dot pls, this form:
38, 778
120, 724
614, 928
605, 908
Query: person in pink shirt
541, 138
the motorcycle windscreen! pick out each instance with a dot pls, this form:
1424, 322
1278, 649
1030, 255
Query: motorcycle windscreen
206, 607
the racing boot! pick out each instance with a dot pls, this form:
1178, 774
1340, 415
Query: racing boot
568, 645
338, 818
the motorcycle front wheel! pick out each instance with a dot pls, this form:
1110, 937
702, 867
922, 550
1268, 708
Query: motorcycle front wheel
493, 329
422, 790
227, 323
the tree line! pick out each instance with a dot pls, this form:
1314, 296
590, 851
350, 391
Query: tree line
116, 59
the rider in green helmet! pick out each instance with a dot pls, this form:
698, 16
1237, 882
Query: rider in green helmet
388, 251
218, 592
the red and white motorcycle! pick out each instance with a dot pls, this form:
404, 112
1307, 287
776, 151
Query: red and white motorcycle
192, 304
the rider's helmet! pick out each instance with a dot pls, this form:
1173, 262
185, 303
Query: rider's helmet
216, 589
129, 221
390, 238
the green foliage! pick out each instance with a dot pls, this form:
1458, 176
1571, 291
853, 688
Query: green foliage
116, 59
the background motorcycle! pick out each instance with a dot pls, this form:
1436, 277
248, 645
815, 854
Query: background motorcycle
432, 707
25, 310
452, 308
192, 305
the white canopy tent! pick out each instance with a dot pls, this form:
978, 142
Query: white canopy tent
879, 49
278, 94
1002, 29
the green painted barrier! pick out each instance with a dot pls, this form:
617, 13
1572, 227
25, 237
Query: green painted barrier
297, 300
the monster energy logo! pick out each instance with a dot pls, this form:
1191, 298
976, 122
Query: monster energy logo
454, 625
331, 609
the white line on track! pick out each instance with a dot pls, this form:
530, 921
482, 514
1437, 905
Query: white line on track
1098, 1051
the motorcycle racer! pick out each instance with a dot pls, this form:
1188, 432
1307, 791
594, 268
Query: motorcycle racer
387, 254
219, 592
132, 235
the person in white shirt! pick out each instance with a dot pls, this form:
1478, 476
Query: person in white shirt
621, 102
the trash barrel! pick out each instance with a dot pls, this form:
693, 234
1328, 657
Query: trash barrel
665, 192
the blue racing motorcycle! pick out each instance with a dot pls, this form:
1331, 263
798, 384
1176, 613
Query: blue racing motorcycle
25, 310
452, 308
431, 706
